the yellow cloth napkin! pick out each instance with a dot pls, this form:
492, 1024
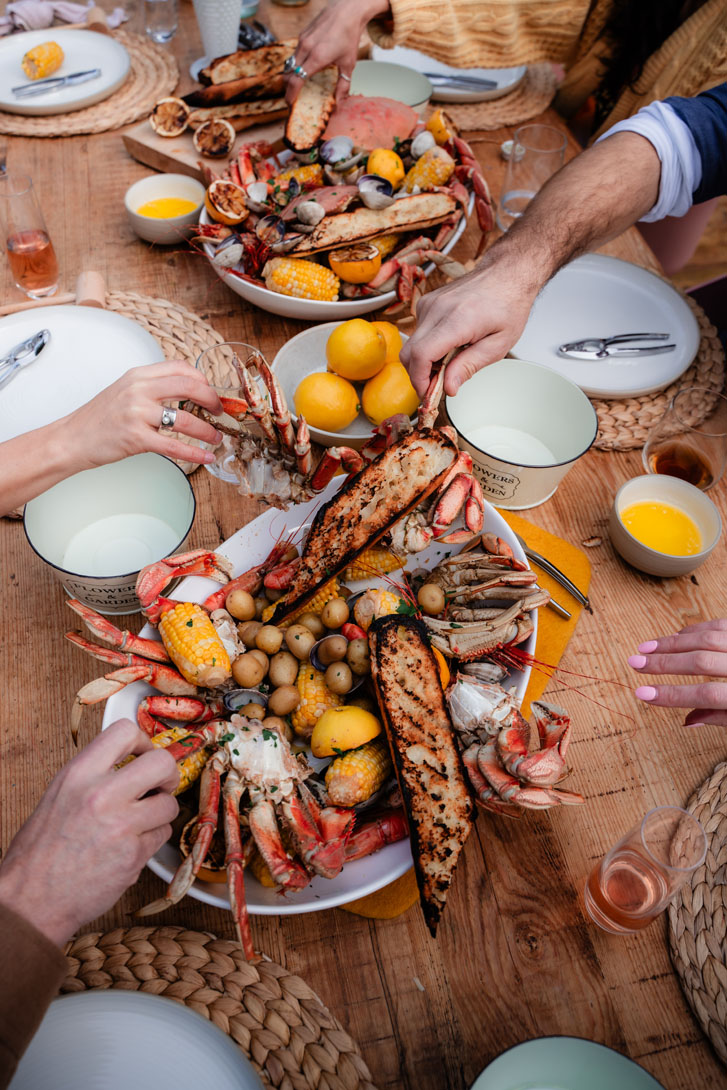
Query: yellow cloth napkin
554, 632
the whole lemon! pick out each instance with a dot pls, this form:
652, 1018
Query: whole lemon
388, 393
386, 164
392, 336
327, 401
343, 728
355, 350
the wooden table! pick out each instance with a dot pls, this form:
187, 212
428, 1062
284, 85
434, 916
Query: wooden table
515, 957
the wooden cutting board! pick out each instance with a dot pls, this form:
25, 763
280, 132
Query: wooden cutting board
177, 154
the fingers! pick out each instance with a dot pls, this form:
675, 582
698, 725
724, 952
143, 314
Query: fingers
704, 717
155, 769
689, 639
185, 386
151, 841
190, 425
153, 811
162, 443
707, 694
424, 348
470, 360
292, 89
113, 744
699, 661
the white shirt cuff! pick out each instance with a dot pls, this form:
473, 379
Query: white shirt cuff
681, 165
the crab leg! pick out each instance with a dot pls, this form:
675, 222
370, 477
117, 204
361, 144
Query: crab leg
258, 409
485, 796
303, 455
154, 578
237, 856
125, 641
388, 828
281, 413
103, 687
179, 709
511, 790
324, 855
264, 827
463, 491
430, 402
335, 458
249, 580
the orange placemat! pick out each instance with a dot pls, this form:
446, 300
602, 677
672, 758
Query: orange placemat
554, 632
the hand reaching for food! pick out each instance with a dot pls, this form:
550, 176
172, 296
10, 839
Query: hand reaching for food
698, 649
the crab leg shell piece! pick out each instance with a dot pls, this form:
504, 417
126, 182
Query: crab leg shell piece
237, 856
264, 828
388, 828
161, 677
153, 579
431, 778
281, 413
485, 796
324, 856
249, 580
185, 709
102, 628
365, 508
413, 213
335, 458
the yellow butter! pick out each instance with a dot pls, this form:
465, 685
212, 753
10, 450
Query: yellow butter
164, 208
662, 527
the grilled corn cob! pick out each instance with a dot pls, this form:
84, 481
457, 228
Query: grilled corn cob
377, 558
435, 167
353, 777
385, 244
373, 604
329, 590
42, 60
194, 646
310, 174
315, 699
301, 278
190, 768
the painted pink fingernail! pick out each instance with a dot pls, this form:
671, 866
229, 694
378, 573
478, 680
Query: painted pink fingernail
218, 437
695, 724
637, 661
208, 457
648, 647
645, 692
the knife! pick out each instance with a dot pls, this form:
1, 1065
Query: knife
55, 83
23, 354
472, 83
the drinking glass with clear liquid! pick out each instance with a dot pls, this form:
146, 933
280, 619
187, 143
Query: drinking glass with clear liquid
639, 876
32, 259
688, 444
537, 152
160, 19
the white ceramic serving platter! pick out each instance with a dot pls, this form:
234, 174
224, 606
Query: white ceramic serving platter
507, 78
563, 1063
305, 354
250, 546
83, 50
112, 1040
378, 77
599, 296
89, 348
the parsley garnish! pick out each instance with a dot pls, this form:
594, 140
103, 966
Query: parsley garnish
190, 624
272, 789
229, 737
407, 608
455, 625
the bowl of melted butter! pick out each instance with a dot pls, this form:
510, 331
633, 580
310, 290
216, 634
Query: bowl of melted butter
162, 207
663, 525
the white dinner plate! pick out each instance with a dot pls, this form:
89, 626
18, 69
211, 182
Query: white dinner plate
82, 49
563, 1063
113, 1040
250, 546
89, 348
599, 296
507, 79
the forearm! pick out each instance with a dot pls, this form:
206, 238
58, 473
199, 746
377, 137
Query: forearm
33, 462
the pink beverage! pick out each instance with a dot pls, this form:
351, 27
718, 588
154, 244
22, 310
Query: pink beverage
626, 892
33, 262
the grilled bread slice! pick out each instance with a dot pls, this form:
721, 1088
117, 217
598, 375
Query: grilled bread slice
249, 63
243, 115
414, 213
310, 112
365, 508
427, 763
240, 90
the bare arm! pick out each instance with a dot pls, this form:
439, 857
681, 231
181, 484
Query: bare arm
332, 38
592, 199
122, 420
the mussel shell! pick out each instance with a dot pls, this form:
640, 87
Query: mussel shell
236, 699
422, 142
270, 229
336, 149
229, 252
375, 191
289, 242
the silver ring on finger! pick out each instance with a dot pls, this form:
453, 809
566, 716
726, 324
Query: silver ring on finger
290, 64
299, 70
169, 417
342, 75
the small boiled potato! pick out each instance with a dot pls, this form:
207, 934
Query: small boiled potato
261, 603
314, 623
284, 700
274, 722
358, 657
248, 631
261, 657
241, 605
334, 613
273, 593
283, 669
299, 640
269, 639
248, 671
431, 599
333, 649
339, 678
253, 711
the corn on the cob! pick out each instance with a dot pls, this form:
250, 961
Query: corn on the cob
301, 278
385, 244
435, 167
190, 768
329, 590
373, 604
260, 869
315, 699
310, 174
194, 646
353, 777
42, 60
377, 558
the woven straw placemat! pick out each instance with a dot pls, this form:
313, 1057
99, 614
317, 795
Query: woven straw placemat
530, 98
698, 917
153, 75
276, 1019
625, 425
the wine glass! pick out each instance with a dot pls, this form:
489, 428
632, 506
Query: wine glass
685, 443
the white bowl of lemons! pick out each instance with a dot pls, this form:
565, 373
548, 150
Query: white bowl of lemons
345, 378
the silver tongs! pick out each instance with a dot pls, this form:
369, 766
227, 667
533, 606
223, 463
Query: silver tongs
54, 83
23, 354
601, 348
461, 80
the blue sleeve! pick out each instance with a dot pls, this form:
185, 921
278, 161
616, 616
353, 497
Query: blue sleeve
706, 117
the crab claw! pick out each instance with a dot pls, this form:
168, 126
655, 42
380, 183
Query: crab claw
154, 578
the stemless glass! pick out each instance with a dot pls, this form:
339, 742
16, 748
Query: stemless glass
160, 19
216, 364
639, 876
33, 260
537, 152
682, 444
219, 25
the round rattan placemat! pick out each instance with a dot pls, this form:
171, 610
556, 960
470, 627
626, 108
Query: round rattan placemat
153, 75
625, 425
276, 1019
530, 98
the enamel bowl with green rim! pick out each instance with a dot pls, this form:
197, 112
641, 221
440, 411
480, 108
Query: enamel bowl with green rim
386, 80
563, 1063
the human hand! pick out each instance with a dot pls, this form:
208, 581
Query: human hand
91, 833
697, 649
123, 419
332, 38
